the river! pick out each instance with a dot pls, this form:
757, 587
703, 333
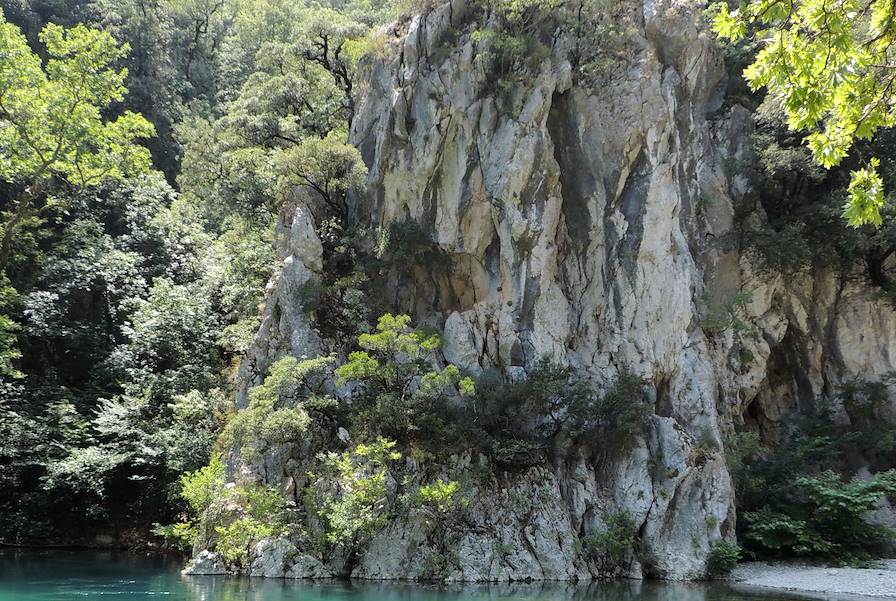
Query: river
107, 576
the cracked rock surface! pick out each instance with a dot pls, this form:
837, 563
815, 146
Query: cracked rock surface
576, 217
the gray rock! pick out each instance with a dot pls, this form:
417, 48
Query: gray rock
307, 566
206, 563
279, 558
272, 557
585, 220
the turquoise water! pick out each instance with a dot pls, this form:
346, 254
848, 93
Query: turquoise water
85, 576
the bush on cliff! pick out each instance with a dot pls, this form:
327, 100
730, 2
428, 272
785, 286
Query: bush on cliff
520, 419
399, 394
723, 557
823, 516
797, 498
348, 494
278, 408
228, 518
613, 547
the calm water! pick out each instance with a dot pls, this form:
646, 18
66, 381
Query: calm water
75, 576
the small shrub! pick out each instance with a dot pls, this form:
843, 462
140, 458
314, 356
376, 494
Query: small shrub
518, 421
438, 563
284, 425
520, 417
235, 540
515, 452
440, 495
181, 535
503, 549
742, 452
248, 513
620, 415
199, 489
404, 244
349, 495
400, 395
260, 512
603, 36
278, 408
517, 42
612, 548
729, 315
723, 557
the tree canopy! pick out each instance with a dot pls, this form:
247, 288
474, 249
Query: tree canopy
51, 115
831, 64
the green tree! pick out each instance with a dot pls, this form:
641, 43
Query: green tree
401, 395
331, 167
9, 351
831, 67
823, 516
723, 557
51, 122
520, 419
613, 547
349, 494
278, 408
200, 489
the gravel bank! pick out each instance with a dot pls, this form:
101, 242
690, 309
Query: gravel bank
879, 581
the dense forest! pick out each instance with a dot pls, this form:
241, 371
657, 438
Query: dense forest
128, 296
150, 151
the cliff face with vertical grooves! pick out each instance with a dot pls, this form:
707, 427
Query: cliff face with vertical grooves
586, 220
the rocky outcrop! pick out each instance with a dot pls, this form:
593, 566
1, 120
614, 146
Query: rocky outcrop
286, 326
586, 220
570, 211
207, 563
279, 558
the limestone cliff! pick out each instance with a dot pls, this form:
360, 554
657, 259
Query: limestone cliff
586, 220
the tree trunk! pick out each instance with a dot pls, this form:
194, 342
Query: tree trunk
9, 228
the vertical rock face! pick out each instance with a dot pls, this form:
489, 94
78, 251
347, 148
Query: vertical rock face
286, 327
571, 209
586, 222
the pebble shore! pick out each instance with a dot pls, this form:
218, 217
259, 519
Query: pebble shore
878, 581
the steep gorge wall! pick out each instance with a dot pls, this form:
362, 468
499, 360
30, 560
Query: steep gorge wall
586, 221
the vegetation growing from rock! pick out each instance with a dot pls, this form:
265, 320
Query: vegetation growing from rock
441, 495
278, 410
260, 513
614, 545
563, 408
401, 396
200, 489
723, 558
517, 35
349, 493
230, 518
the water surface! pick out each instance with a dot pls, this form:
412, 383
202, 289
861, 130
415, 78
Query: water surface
106, 576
